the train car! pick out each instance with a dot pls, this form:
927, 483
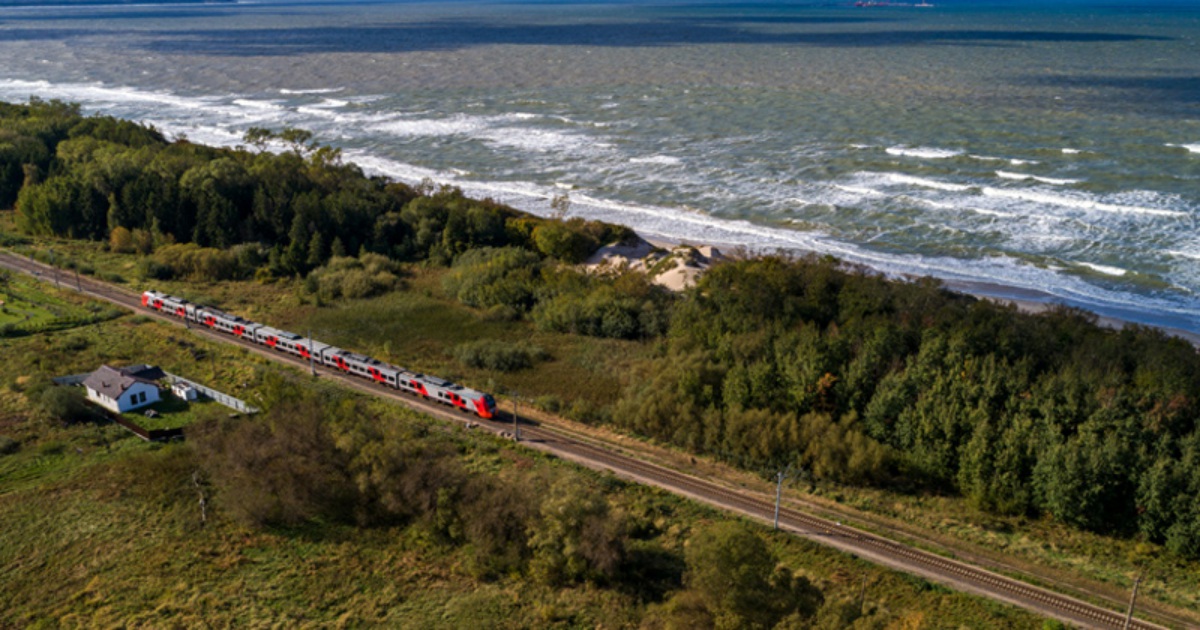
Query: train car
224, 322
267, 336
302, 347
153, 300
362, 365
463, 398
430, 387
164, 303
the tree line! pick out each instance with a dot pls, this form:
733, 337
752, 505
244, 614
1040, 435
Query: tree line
863, 380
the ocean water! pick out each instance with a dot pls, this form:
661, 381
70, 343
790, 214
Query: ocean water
1042, 150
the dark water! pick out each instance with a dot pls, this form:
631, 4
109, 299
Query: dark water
1050, 148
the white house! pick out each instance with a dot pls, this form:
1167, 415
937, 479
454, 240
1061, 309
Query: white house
122, 390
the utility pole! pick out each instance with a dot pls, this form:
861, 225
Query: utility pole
779, 476
862, 596
516, 422
1132, 599
311, 362
54, 267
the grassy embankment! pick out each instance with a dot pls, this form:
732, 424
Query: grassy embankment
102, 528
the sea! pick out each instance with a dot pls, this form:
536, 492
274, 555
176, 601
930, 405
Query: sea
1046, 150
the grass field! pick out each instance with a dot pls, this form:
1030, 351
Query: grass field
28, 306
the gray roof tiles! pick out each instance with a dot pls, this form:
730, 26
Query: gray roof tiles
113, 382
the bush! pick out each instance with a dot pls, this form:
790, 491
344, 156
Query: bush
283, 469
558, 240
495, 277
201, 263
66, 404
120, 240
492, 354
8, 446
150, 269
353, 278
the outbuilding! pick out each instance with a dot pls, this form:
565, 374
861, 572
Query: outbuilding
124, 389
184, 391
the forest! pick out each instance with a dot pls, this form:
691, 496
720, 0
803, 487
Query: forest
766, 362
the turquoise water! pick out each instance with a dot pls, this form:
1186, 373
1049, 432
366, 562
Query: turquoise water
1046, 150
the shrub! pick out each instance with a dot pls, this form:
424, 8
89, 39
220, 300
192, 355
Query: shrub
493, 354
8, 446
492, 277
354, 278
202, 263
150, 269
559, 241
282, 469
120, 240
66, 404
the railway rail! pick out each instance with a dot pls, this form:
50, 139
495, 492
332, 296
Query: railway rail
597, 455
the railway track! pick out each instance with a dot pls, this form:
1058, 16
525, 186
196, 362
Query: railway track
596, 455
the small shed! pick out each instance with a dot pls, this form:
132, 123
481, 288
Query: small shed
121, 390
184, 391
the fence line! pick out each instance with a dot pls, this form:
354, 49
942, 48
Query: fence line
236, 404
71, 379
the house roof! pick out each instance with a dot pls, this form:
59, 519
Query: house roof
113, 382
143, 371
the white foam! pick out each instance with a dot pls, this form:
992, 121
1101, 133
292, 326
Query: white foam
1013, 161
1194, 148
453, 125
858, 190
1191, 255
312, 91
542, 140
664, 160
1104, 269
1078, 203
993, 213
1044, 180
1069, 151
314, 110
267, 105
897, 178
928, 153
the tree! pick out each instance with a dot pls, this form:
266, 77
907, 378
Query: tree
281, 469
121, 240
729, 569
576, 536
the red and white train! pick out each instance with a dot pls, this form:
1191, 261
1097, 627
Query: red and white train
429, 387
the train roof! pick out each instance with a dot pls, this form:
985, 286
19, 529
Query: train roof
275, 332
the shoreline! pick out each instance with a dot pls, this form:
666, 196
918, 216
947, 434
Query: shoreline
1025, 300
